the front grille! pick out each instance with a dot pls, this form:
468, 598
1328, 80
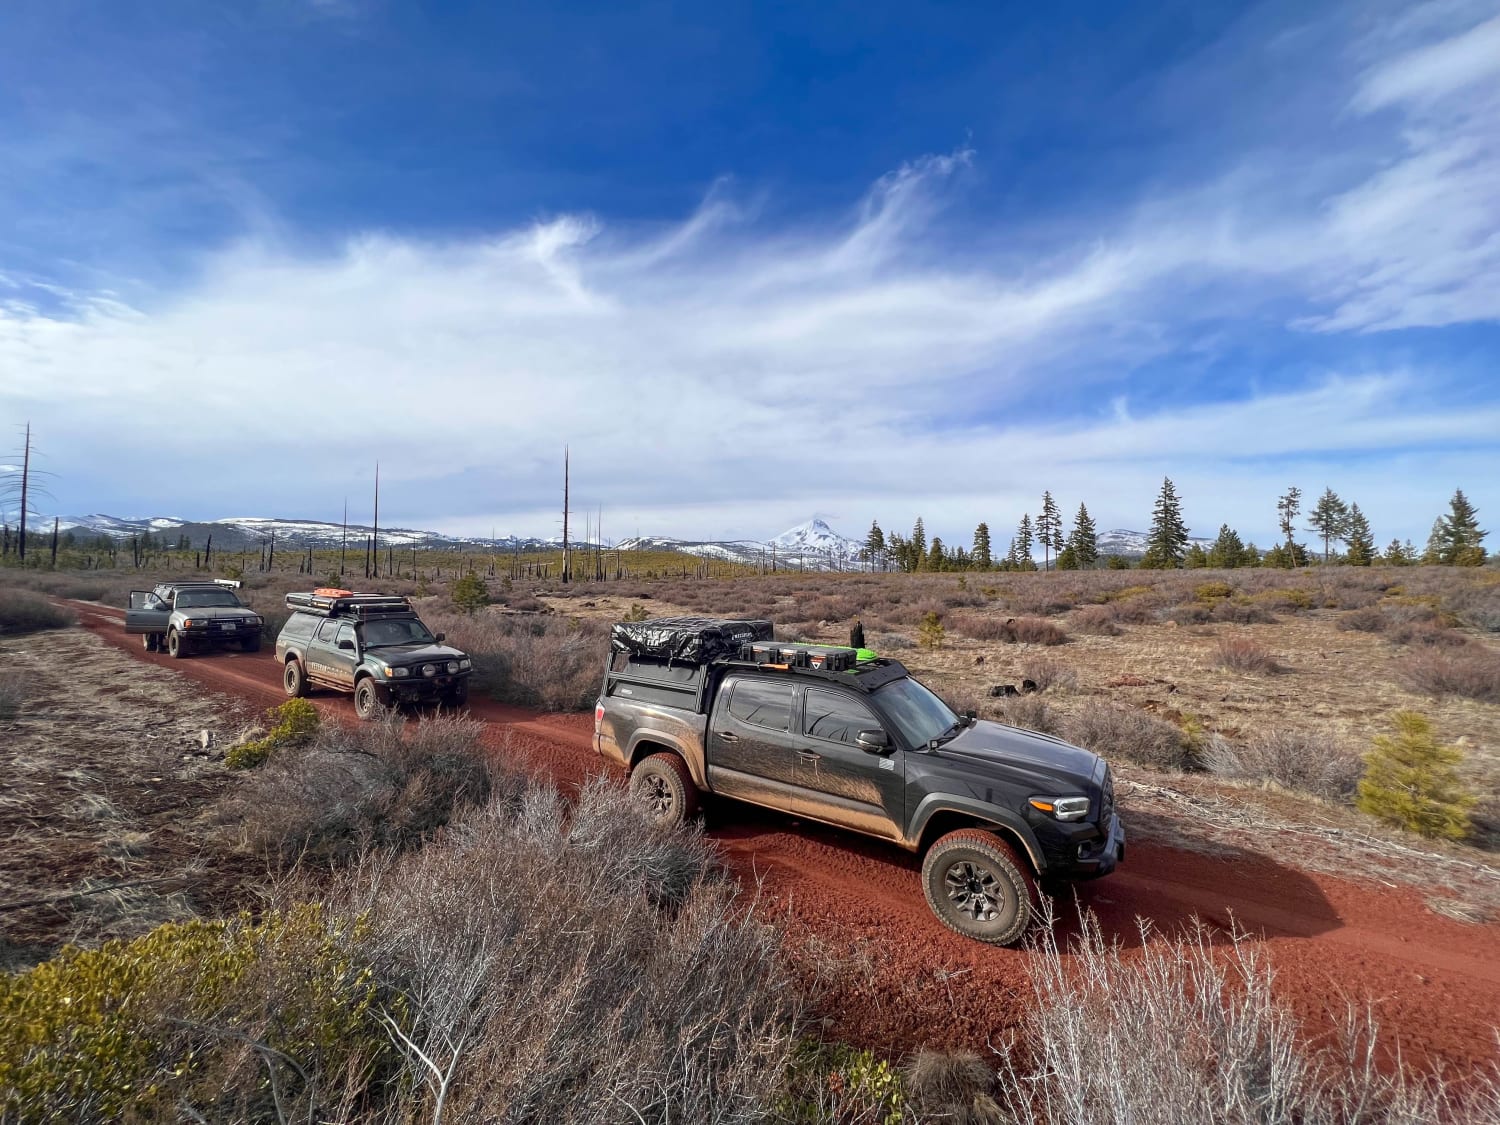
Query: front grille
1107, 800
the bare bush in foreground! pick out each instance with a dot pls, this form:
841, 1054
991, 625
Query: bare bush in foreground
1049, 674
23, 612
1291, 759
1241, 654
581, 967
1471, 673
1188, 1029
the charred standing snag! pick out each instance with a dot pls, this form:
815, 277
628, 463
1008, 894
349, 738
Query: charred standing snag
843, 736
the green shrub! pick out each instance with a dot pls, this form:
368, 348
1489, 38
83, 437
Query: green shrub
199, 1014
1208, 591
637, 612
470, 593
930, 632
1411, 780
294, 723
835, 1082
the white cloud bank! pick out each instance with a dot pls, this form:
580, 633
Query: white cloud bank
718, 378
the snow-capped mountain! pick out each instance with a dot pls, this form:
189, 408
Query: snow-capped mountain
1132, 544
816, 538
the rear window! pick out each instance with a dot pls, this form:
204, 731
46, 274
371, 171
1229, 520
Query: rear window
762, 704
299, 625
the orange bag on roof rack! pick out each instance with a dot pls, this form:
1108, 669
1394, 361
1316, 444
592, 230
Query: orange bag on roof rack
330, 592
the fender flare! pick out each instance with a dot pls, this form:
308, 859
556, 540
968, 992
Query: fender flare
935, 803
670, 742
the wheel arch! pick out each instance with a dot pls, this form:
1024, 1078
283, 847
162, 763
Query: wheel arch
938, 820
654, 742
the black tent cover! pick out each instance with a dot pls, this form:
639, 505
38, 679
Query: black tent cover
692, 640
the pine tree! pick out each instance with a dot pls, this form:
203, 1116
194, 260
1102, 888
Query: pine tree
1083, 541
1433, 554
1397, 555
918, 543
1169, 536
1227, 552
1328, 518
1066, 559
1358, 536
1413, 781
936, 559
1024, 540
1049, 529
982, 560
1196, 558
1287, 507
1458, 535
470, 593
874, 544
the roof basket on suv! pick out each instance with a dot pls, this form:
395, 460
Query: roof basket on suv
349, 605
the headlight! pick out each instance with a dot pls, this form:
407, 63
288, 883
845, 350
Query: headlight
429, 669
188, 623
394, 673
257, 621
1062, 808
452, 666
466, 664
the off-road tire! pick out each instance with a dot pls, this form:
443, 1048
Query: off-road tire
251, 644
294, 679
457, 697
979, 887
663, 785
367, 702
177, 646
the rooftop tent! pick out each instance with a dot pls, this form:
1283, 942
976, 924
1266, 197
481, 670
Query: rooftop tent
692, 640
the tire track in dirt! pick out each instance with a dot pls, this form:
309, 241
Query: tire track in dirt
1435, 982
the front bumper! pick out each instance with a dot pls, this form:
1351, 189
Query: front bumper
425, 688
1085, 852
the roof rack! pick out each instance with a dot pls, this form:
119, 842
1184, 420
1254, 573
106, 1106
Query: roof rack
349, 605
865, 676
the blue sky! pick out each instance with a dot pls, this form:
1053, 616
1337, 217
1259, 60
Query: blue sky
752, 262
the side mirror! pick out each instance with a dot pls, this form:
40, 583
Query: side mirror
346, 644
873, 741
440, 637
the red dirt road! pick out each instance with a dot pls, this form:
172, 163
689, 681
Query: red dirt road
1434, 982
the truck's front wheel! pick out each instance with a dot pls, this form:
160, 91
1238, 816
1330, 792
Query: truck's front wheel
176, 645
366, 699
663, 785
978, 886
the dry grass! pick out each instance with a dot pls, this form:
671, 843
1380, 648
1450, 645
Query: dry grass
1292, 759
1049, 674
1010, 630
548, 661
1030, 713
22, 612
1241, 654
1096, 621
957, 1087
12, 694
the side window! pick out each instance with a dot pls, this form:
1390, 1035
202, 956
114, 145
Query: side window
327, 631
762, 704
837, 717
346, 633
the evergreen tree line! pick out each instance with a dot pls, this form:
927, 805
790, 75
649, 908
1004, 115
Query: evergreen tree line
1456, 540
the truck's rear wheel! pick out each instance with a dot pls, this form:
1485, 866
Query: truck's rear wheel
293, 679
978, 886
663, 785
176, 645
366, 699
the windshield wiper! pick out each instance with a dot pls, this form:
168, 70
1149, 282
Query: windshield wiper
951, 733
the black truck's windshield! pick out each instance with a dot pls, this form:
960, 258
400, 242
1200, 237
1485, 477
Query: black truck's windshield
917, 713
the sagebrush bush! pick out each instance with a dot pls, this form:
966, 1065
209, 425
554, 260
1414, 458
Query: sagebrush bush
953, 1086
1096, 620
1412, 780
1188, 1028
389, 783
22, 612
1471, 672
1049, 674
234, 1019
1114, 731
549, 661
1030, 713
1241, 654
568, 964
1292, 759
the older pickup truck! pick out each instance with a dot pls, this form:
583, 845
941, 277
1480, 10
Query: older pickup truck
184, 617
693, 706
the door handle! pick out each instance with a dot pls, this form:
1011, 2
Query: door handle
809, 756
726, 736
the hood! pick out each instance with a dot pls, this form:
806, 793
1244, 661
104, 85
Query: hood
414, 653
987, 743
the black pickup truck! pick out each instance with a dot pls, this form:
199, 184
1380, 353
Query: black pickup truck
693, 706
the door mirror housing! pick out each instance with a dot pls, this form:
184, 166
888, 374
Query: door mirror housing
873, 741
440, 637
347, 645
